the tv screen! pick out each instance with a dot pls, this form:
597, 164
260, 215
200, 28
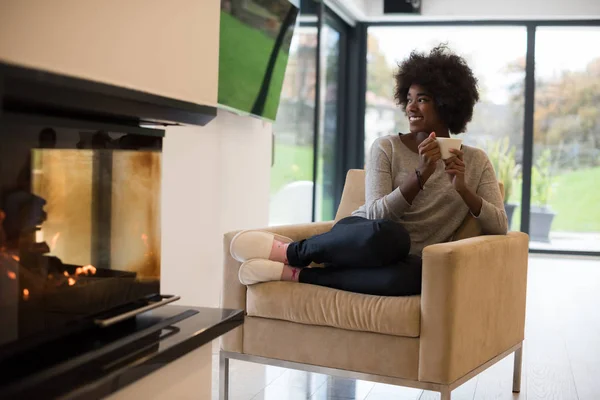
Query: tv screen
255, 37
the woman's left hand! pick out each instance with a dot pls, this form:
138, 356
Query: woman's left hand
455, 168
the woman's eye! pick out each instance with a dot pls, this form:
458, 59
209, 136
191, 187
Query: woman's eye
422, 100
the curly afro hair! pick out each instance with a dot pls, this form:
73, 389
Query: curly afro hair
449, 79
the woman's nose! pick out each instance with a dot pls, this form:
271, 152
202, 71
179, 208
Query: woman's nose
410, 106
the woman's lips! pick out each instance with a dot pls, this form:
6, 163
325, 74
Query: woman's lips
415, 119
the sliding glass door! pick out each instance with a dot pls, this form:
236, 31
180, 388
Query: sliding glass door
306, 135
329, 130
563, 165
497, 124
564, 213
293, 135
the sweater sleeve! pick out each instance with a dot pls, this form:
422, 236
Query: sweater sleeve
382, 200
492, 217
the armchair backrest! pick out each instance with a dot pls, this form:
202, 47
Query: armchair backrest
353, 197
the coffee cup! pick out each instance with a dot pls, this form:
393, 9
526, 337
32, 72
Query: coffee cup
446, 144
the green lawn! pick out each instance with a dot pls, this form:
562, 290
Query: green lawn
244, 53
575, 201
295, 163
292, 163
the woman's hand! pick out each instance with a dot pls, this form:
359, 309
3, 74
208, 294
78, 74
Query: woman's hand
429, 155
455, 168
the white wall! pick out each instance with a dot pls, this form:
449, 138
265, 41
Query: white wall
482, 9
169, 48
215, 179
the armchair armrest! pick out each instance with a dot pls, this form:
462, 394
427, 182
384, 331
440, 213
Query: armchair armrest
472, 303
234, 293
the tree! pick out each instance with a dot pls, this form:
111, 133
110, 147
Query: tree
380, 76
566, 107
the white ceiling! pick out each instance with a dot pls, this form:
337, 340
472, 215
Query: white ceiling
477, 9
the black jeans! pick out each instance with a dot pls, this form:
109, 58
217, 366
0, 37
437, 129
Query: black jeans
362, 256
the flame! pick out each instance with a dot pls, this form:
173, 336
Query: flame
89, 269
54, 240
65, 273
16, 257
25, 293
11, 275
86, 269
71, 281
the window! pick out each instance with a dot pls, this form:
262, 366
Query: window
328, 132
566, 152
292, 172
497, 124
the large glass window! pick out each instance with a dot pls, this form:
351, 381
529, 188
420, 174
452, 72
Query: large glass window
292, 172
294, 181
566, 161
497, 124
328, 130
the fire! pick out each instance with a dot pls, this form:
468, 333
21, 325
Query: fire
16, 257
86, 269
65, 273
25, 293
89, 268
54, 240
71, 281
11, 275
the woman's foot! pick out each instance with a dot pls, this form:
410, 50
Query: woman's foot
258, 270
279, 251
290, 274
248, 245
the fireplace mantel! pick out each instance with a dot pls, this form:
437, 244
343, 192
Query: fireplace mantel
31, 91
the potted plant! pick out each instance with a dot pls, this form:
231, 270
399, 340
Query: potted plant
502, 157
542, 184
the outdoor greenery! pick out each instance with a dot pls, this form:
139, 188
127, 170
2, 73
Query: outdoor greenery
292, 163
575, 201
566, 137
569, 217
502, 157
542, 180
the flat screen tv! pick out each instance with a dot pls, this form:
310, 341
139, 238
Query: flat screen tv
255, 37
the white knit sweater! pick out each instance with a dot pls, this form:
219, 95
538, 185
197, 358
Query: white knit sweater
437, 211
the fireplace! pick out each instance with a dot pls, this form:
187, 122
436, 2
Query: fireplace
79, 226
81, 307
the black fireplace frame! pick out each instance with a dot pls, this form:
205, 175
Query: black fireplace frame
30, 96
32, 91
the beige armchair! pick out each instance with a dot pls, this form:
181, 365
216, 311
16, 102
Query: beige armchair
470, 314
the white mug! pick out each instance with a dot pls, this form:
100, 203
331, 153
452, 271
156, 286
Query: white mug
446, 144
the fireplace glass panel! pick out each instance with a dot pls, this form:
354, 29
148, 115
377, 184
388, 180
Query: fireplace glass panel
79, 226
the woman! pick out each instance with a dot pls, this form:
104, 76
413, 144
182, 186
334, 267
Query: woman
413, 198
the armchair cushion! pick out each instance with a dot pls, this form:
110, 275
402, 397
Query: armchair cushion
234, 293
316, 305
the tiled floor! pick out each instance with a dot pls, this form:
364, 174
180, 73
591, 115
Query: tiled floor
561, 357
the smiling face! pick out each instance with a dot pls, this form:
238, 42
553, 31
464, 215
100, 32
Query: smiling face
422, 113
